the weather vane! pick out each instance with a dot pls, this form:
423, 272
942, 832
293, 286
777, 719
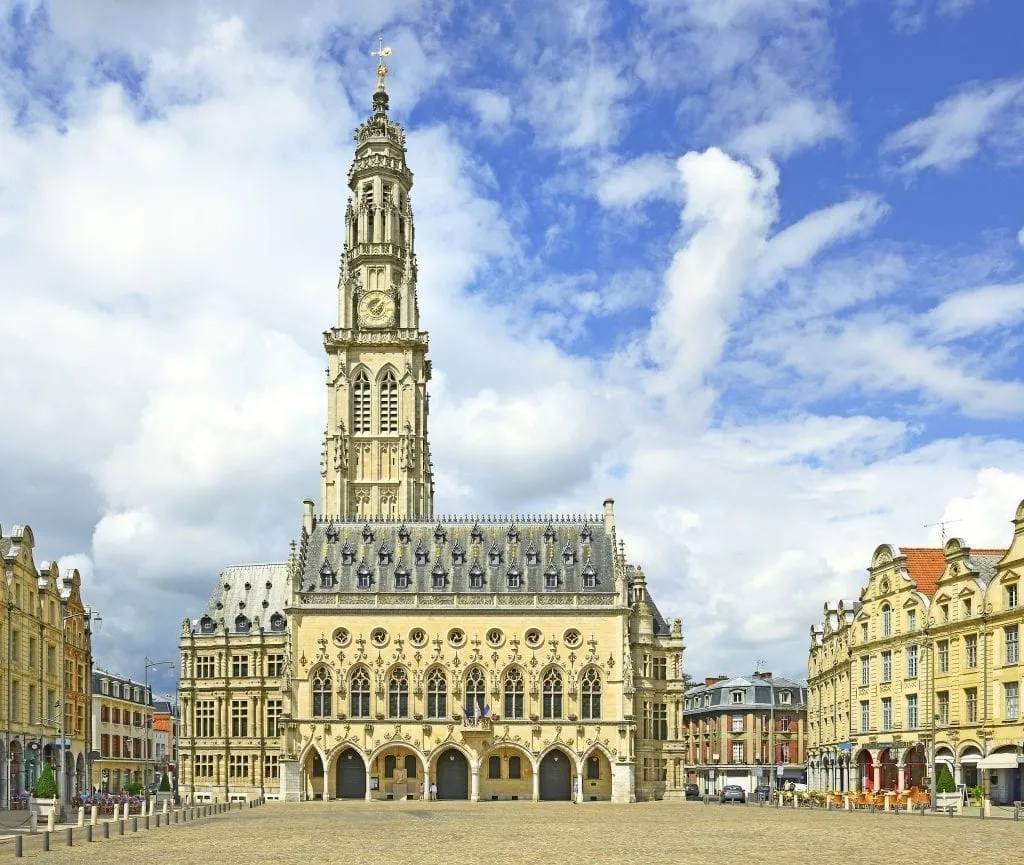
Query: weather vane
381, 52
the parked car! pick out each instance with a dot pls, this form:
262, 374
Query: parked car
733, 793
762, 792
692, 791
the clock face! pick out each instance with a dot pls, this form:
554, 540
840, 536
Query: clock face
376, 309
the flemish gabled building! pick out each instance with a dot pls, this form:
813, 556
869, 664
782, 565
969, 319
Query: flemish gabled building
932, 660
496, 657
44, 632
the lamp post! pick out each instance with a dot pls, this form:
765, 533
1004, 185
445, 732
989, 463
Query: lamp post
148, 721
90, 616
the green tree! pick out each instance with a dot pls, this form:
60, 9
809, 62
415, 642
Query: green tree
165, 783
944, 783
46, 786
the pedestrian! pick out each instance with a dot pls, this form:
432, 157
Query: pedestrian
575, 789
433, 791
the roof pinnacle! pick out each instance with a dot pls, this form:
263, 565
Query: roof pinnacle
380, 96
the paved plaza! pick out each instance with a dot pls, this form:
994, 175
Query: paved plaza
512, 832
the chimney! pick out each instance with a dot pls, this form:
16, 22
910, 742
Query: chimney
609, 515
307, 516
763, 675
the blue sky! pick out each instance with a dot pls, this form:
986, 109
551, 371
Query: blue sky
755, 270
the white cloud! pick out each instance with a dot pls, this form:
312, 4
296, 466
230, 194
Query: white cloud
790, 127
958, 127
1020, 236
978, 309
493, 109
581, 110
628, 184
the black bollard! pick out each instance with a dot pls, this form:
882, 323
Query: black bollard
69, 837
135, 824
145, 822
46, 840
120, 826
88, 831
106, 830
17, 847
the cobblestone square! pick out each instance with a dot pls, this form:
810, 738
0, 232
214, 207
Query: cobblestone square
512, 832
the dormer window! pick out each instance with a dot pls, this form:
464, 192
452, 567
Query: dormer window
348, 554
422, 556
586, 534
332, 533
458, 554
589, 577
440, 535
512, 534
736, 697
476, 577
514, 578
437, 577
532, 555
569, 555
494, 556
403, 533
476, 535
401, 576
326, 575
551, 578
384, 555
364, 577
242, 624
277, 622
207, 625
785, 698
367, 534
549, 534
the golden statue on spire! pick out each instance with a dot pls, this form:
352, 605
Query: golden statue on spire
381, 52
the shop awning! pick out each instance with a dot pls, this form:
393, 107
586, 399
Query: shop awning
970, 758
998, 761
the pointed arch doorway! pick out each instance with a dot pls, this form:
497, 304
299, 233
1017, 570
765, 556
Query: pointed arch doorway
452, 775
350, 775
555, 777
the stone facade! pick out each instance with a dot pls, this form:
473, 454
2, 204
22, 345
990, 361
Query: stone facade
122, 733
749, 730
494, 657
923, 670
44, 631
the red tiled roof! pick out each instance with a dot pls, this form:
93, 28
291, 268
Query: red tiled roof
980, 552
925, 565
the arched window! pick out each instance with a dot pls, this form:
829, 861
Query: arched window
515, 767
360, 691
437, 694
514, 693
593, 768
410, 766
591, 695
552, 694
389, 766
886, 621
398, 694
494, 767
388, 403
361, 403
322, 693
475, 689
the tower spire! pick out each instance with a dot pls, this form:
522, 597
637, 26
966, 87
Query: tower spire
380, 95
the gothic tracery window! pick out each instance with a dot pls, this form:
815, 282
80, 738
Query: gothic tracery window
360, 694
398, 694
475, 692
322, 693
437, 694
361, 403
388, 403
514, 694
591, 695
552, 694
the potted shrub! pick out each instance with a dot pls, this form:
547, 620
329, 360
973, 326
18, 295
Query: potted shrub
977, 795
946, 794
44, 800
163, 792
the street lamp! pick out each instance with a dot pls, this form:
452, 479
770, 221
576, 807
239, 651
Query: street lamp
90, 616
149, 664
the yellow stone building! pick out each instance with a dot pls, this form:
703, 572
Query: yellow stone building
923, 669
122, 724
44, 629
396, 652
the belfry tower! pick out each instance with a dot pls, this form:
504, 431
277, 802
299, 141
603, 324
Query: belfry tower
376, 459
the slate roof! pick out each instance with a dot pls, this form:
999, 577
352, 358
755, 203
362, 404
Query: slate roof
758, 692
243, 594
336, 553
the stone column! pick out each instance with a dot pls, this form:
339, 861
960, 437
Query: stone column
957, 774
426, 784
623, 789
876, 771
536, 785
291, 780
474, 783
900, 780
369, 792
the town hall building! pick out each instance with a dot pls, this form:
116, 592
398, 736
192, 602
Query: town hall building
397, 652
